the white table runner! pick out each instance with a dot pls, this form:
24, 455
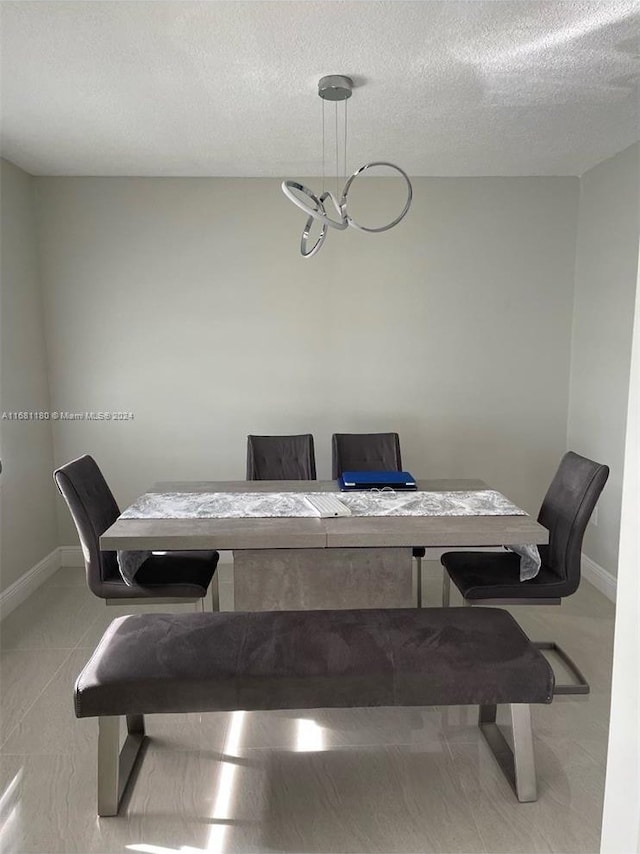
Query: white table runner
242, 505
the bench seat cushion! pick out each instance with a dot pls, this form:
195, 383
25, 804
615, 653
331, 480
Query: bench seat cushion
311, 659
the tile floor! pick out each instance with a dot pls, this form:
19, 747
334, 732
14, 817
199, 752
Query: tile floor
379, 780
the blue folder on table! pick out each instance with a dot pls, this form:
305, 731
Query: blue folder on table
376, 480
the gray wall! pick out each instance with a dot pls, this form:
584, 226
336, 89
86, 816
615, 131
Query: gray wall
186, 301
28, 527
606, 274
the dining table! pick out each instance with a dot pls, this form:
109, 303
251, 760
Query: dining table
311, 562
318, 533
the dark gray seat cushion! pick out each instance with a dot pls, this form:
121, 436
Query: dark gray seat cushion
311, 659
496, 575
172, 574
178, 570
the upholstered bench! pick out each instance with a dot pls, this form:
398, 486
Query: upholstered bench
159, 663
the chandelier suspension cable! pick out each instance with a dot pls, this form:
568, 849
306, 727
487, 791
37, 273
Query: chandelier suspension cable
337, 165
323, 169
346, 107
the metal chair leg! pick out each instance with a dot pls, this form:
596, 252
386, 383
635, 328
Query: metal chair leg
135, 725
215, 592
446, 589
418, 581
518, 765
115, 767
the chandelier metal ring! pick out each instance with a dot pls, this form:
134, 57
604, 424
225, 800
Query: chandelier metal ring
319, 210
289, 186
304, 240
345, 192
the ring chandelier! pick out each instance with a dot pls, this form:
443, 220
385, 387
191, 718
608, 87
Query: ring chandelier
336, 87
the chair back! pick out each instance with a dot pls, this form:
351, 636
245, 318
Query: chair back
281, 457
365, 452
93, 509
565, 512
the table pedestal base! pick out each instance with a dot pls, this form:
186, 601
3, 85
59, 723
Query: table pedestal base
300, 579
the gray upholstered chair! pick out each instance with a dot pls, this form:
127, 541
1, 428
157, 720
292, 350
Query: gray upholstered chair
493, 578
168, 577
281, 457
372, 452
365, 452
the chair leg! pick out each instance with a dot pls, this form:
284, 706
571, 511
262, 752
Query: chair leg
446, 588
215, 592
135, 725
518, 765
115, 767
580, 686
418, 581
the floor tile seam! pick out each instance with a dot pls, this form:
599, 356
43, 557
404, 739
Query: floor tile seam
62, 586
38, 753
4, 650
340, 747
85, 633
164, 737
225, 729
32, 704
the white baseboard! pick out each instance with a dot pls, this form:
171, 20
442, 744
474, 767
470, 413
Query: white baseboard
16, 593
601, 578
71, 556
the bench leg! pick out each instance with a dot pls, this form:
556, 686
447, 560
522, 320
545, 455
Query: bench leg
115, 767
517, 765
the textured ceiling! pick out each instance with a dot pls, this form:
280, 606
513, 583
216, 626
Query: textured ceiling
229, 88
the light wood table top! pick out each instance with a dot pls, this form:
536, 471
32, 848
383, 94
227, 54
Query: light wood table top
310, 533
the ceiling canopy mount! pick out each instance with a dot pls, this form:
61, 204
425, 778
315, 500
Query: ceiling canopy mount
335, 87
